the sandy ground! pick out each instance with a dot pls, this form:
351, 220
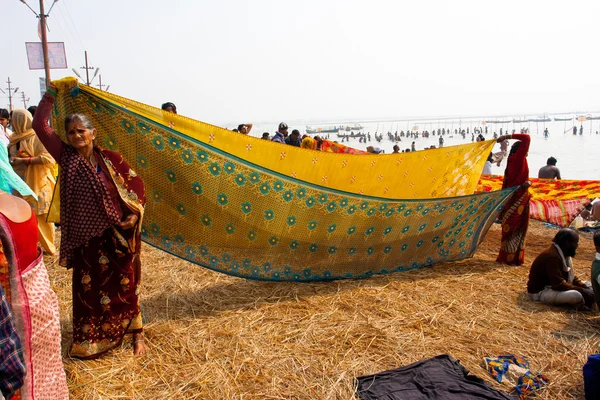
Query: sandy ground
211, 336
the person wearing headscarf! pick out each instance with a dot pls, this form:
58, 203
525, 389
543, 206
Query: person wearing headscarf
308, 143
32, 162
515, 215
101, 209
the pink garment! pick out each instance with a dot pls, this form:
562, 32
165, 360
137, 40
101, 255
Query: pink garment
49, 379
41, 319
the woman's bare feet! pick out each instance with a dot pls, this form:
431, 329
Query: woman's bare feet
139, 346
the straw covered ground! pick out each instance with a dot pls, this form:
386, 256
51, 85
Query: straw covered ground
211, 336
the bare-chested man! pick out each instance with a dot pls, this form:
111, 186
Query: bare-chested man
550, 171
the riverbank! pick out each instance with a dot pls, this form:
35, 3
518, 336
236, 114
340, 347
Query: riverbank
211, 336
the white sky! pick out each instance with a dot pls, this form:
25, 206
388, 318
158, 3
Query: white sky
226, 62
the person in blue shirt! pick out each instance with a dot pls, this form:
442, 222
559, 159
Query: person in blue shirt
281, 133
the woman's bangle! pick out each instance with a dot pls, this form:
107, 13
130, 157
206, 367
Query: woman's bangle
52, 92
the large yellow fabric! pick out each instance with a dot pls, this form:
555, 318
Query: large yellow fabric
212, 201
445, 172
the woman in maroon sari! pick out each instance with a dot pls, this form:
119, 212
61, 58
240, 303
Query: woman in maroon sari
515, 216
101, 209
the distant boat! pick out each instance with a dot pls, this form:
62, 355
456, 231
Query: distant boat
540, 119
593, 118
356, 127
520, 121
563, 118
329, 129
498, 121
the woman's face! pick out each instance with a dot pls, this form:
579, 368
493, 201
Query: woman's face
79, 136
3, 122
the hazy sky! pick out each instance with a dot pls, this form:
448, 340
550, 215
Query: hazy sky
229, 61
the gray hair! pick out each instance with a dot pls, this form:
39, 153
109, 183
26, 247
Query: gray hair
82, 118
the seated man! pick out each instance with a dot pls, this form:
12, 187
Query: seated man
596, 269
551, 277
591, 212
550, 171
294, 138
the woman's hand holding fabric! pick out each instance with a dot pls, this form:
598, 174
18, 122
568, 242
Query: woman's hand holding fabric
129, 222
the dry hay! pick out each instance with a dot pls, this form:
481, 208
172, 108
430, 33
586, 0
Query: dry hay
211, 336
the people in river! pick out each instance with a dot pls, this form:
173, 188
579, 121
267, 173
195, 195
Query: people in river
581, 130
441, 141
396, 149
244, 128
101, 207
596, 269
546, 132
294, 138
413, 147
281, 134
574, 130
552, 279
550, 170
32, 162
515, 215
169, 107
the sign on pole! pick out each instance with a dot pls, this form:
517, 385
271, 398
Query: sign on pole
56, 55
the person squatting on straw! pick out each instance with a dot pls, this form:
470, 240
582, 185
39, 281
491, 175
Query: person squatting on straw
552, 279
101, 208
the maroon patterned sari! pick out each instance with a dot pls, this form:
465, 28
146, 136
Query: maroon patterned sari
106, 267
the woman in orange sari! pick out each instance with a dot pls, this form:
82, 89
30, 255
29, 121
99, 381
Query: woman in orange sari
515, 215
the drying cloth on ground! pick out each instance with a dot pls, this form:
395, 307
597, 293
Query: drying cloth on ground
554, 201
241, 217
514, 370
441, 377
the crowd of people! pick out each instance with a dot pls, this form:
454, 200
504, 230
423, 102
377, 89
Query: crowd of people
101, 208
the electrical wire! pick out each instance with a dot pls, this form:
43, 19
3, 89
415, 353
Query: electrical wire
64, 5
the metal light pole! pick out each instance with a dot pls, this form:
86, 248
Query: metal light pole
10, 92
43, 17
25, 100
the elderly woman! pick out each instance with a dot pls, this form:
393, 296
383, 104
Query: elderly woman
515, 215
32, 162
101, 208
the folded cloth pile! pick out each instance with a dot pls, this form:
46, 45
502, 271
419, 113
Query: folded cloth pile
514, 370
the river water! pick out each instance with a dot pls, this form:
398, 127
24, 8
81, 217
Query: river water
577, 155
